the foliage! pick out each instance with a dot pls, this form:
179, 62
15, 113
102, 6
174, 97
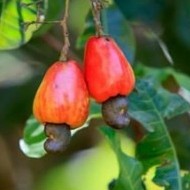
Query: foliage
14, 14
130, 169
156, 148
146, 35
149, 107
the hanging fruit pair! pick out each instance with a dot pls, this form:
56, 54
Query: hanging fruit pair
61, 103
109, 78
62, 100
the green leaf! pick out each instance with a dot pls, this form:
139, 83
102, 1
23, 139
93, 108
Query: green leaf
14, 14
130, 169
34, 150
117, 27
180, 82
33, 139
160, 75
150, 107
167, 104
33, 133
171, 105
32, 144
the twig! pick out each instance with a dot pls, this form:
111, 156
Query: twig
63, 23
65, 49
97, 5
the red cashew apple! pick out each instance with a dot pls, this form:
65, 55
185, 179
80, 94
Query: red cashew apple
62, 100
107, 71
109, 76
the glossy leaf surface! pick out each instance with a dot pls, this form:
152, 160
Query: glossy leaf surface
14, 15
130, 169
150, 108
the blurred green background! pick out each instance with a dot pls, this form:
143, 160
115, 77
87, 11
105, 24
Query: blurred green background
153, 32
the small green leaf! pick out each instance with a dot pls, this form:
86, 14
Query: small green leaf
34, 132
35, 150
130, 169
14, 14
33, 139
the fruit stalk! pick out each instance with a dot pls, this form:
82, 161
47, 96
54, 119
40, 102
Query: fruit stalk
96, 9
65, 49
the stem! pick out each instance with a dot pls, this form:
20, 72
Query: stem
65, 49
96, 9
